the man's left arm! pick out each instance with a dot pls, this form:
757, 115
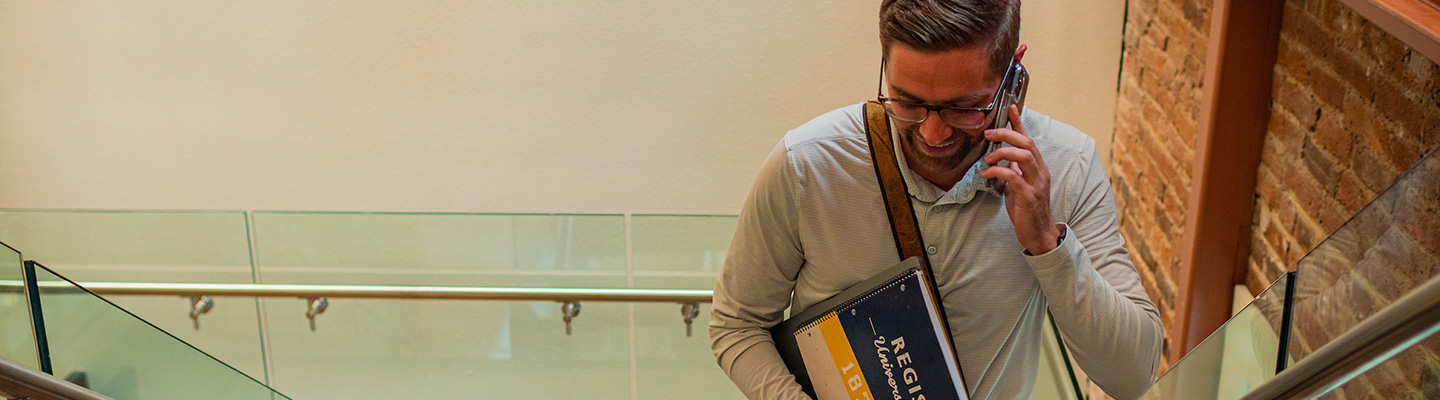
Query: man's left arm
1095, 294
1091, 286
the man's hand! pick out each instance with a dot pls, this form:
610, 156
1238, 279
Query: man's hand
1026, 185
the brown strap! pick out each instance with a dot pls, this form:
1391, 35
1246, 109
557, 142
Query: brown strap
897, 205
892, 184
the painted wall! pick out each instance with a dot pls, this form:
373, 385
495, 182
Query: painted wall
480, 106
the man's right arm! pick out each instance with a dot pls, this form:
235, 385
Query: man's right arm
756, 282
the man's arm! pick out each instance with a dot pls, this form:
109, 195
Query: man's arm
1095, 294
755, 285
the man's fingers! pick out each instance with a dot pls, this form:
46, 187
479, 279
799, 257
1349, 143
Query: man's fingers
1010, 137
1015, 124
1025, 160
1010, 175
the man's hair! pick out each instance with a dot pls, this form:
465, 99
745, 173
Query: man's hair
941, 25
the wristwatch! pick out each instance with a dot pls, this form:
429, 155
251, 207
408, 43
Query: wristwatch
1058, 241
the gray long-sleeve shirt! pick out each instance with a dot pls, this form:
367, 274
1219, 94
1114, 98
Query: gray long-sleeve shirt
815, 224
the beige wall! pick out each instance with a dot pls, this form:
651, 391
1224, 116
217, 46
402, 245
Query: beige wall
464, 106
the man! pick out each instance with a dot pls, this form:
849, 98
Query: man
1042, 234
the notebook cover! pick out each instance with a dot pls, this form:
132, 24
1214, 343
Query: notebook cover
881, 338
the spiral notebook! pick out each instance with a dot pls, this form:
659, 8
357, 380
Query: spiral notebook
880, 339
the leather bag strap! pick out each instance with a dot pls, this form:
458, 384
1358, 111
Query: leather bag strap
903, 224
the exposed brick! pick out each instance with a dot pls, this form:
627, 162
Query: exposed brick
1195, 13
1343, 25
1424, 227
1305, 236
1290, 59
1393, 99
1194, 69
1328, 88
1307, 191
1309, 325
1402, 152
1418, 69
1388, 382
1302, 27
1333, 138
1319, 165
1267, 189
1373, 171
1428, 384
1292, 99
1358, 388
1332, 214
1351, 192
1379, 47
1255, 277
1362, 120
1287, 213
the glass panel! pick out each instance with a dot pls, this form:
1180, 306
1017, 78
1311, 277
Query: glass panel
154, 246
1384, 251
134, 246
678, 252
17, 340
124, 357
1239, 356
441, 249
1053, 380
689, 250
445, 349
1412, 374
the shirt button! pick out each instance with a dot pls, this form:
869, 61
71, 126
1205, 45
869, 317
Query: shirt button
932, 249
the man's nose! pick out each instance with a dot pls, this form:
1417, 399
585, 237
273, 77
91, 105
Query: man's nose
934, 129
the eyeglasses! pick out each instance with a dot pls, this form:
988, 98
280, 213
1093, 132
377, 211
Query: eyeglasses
914, 113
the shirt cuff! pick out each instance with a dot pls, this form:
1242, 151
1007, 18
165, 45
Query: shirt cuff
1067, 253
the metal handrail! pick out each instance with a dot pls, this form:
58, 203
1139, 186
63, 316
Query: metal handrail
19, 381
1407, 321
378, 292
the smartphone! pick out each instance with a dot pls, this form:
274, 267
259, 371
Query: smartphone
1012, 92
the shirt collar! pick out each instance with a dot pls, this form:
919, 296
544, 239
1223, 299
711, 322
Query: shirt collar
963, 192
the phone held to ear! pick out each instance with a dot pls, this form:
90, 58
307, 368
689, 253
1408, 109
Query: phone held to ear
1012, 91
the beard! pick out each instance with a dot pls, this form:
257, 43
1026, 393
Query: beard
918, 160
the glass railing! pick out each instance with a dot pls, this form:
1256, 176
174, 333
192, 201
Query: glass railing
1411, 374
1245, 352
154, 246
1385, 251
99, 345
364, 348
675, 251
17, 340
1388, 355
447, 349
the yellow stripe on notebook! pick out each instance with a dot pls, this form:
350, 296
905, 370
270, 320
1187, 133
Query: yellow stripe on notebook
844, 357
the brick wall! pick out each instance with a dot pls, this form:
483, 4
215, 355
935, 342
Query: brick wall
1155, 123
1352, 108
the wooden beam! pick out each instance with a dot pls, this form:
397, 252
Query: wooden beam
1415, 22
1234, 112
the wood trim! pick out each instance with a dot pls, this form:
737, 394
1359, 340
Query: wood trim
1415, 22
1244, 36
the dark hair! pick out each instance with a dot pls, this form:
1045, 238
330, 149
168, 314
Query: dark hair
941, 25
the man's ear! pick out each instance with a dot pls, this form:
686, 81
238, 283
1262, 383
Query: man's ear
1020, 53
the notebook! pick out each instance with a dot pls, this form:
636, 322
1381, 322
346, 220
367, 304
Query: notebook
880, 339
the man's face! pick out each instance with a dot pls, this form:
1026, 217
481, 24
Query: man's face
956, 78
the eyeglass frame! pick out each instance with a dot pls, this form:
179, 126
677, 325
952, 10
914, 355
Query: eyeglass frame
994, 101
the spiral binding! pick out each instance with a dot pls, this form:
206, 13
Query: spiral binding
846, 305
